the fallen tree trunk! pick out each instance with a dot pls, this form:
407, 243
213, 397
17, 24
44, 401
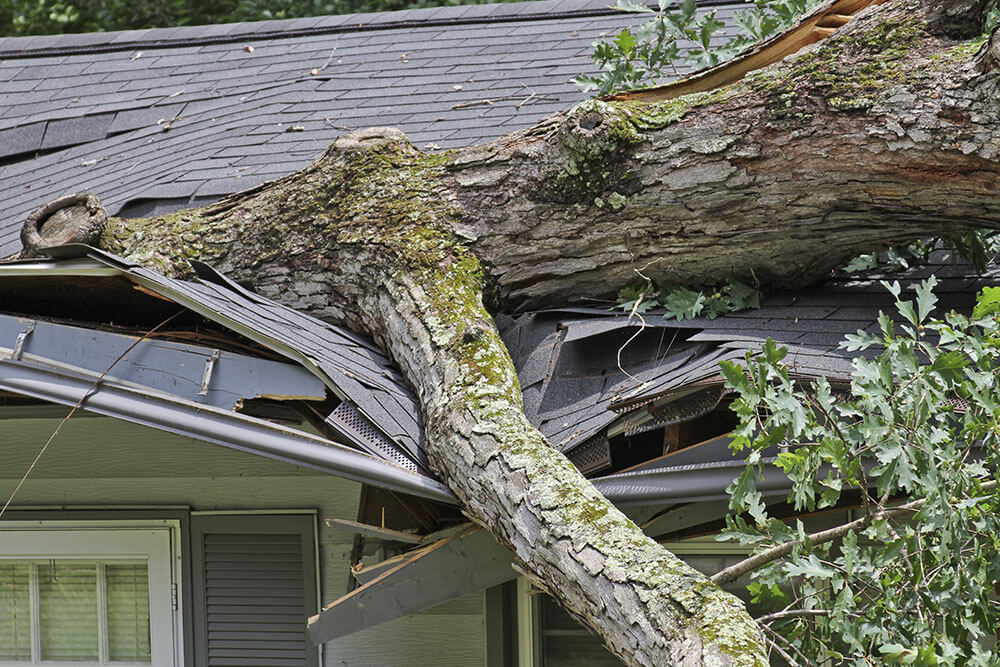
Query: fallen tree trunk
884, 133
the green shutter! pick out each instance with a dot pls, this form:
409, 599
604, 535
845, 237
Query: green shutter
256, 582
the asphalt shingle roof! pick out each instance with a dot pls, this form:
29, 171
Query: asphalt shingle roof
153, 120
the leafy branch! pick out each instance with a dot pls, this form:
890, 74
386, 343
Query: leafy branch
977, 248
684, 303
920, 423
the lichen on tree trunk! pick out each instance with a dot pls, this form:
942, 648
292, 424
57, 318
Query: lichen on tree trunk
883, 133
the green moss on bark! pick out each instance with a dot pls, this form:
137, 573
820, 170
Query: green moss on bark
844, 69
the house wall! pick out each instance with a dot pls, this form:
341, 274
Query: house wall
104, 463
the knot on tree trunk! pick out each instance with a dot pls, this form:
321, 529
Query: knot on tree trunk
596, 139
76, 218
370, 139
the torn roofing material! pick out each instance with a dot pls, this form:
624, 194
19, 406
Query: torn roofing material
584, 370
353, 369
155, 120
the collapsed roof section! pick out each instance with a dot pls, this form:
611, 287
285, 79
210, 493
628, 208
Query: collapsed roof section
613, 392
201, 374
638, 405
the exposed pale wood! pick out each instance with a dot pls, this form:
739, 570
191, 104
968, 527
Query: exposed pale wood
834, 20
824, 32
467, 562
374, 531
767, 53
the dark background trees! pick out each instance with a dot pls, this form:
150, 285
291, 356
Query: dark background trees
48, 17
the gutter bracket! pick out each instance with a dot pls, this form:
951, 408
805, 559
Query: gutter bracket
18, 350
207, 377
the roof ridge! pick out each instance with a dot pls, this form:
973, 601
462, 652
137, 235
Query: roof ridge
125, 40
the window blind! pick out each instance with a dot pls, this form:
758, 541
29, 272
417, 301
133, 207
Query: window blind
15, 611
85, 611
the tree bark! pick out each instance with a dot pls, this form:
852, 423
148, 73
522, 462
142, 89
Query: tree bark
883, 133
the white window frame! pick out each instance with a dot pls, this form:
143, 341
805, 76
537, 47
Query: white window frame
153, 542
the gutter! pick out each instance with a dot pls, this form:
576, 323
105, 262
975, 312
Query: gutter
220, 427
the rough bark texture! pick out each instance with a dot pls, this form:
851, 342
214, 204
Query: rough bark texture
884, 133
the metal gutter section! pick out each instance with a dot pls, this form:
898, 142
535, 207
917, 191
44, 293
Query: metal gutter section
47, 268
217, 426
689, 483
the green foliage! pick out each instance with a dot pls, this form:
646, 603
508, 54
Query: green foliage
991, 20
683, 303
911, 587
976, 248
44, 17
677, 33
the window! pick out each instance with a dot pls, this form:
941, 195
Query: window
87, 596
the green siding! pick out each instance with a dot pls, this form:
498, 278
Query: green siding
97, 462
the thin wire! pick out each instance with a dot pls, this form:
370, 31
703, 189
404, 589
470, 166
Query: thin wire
86, 395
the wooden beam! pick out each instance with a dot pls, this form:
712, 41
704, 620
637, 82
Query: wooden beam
368, 530
467, 562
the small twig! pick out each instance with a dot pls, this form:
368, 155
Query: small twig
525, 100
506, 98
329, 60
635, 313
337, 127
466, 105
87, 394
788, 658
791, 613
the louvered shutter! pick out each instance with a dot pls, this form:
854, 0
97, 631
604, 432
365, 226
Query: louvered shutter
255, 587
